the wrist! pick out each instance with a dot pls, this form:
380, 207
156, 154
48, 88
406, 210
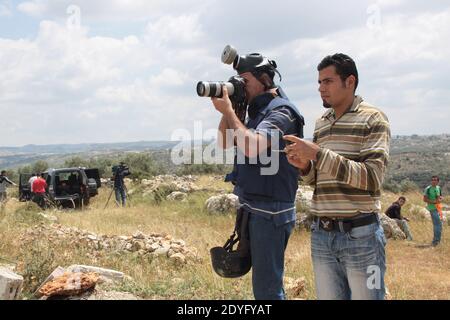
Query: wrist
228, 114
305, 168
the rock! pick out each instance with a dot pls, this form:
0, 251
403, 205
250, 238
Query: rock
59, 271
304, 221
10, 284
295, 287
177, 196
391, 229
152, 247
178, 258
222, 204
303, 199
179, 242
105, 274
161, 251
138, 235
419, 212
70, 284
92, 237
138, 245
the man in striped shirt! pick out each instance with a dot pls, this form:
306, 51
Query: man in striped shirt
345, 163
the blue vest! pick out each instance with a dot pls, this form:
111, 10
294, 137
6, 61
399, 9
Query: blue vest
281, 186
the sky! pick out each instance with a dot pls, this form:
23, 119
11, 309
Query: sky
115, 71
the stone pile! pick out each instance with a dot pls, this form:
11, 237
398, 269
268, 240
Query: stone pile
169, 187
222, 204
175, 183
154, 244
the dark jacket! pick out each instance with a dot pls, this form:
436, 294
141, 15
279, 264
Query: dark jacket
394, 211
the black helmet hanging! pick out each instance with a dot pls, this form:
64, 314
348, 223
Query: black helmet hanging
230, 263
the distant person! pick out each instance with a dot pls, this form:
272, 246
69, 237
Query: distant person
39, 189
433, 196
119, 172
394, 212
30, 182
4, 181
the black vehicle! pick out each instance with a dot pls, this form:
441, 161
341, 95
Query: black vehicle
67, 187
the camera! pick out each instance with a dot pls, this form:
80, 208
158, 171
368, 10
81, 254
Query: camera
121, 169
235, 87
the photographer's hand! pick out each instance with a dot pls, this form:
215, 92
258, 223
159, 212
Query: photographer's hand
223, 105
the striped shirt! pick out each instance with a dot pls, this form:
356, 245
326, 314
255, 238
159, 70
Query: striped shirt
350, 165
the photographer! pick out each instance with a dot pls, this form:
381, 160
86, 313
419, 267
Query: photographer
119, 172
269, 199
4, 180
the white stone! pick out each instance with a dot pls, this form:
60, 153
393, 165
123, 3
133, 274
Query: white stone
222, 204
10, 284
177, 196
161, 251
391, 229
107, 274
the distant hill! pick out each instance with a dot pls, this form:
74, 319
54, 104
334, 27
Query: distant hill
412, 158
417, 158
12, 157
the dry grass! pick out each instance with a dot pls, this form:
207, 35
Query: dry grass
413, 272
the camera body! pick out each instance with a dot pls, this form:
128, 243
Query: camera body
122, 170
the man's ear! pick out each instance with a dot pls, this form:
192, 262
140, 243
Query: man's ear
350, 81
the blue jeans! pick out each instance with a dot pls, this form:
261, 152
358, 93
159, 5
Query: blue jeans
349, 265
267, 244
120, 195
437, 226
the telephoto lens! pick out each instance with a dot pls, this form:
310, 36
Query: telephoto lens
213, 88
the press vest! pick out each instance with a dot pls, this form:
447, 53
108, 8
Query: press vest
281, 186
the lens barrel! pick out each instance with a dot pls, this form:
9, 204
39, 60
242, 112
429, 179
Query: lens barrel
213, 88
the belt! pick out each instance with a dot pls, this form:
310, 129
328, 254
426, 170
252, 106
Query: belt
345, 224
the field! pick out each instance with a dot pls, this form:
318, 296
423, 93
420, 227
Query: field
414, 271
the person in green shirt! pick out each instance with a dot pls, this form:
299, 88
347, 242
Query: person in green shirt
433, 195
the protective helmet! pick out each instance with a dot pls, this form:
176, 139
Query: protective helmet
230, 264
253, 62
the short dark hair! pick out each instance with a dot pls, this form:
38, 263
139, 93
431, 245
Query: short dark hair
345, 66
435, 177
402, 198
3, 172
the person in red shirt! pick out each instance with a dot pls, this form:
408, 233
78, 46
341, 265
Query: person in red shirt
39, 188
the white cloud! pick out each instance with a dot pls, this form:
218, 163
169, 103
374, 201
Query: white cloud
142, 86
5, 8
182, 30
33, 8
